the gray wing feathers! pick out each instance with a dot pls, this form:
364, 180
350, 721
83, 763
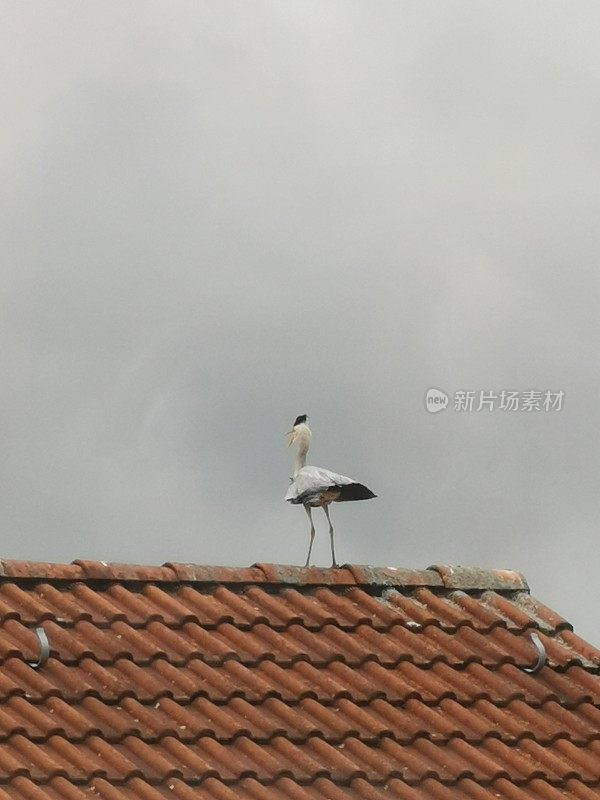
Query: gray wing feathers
315, 479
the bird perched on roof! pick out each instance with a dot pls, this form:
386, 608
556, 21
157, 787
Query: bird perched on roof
316, 486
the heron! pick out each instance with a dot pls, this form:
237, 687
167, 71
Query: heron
315, 486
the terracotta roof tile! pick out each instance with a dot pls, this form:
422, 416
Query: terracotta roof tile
273, 681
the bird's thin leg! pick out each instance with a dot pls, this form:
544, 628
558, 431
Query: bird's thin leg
334, 562
312, 534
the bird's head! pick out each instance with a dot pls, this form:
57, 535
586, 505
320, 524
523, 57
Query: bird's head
300, 433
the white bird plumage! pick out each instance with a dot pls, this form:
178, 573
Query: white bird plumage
314, 480
316, 486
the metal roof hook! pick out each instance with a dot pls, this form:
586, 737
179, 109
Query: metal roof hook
44, 649
541, 654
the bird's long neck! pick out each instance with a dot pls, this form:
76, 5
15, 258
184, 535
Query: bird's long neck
302, 439
300, 458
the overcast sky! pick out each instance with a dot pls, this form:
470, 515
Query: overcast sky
219, 215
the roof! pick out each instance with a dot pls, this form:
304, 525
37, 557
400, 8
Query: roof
187, 681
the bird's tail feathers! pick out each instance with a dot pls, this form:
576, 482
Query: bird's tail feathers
355, 491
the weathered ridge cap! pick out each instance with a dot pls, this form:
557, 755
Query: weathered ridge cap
348, 575
499, 580
440, 576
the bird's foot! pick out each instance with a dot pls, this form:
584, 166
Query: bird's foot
335, 565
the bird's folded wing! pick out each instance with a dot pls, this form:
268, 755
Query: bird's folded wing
315, 479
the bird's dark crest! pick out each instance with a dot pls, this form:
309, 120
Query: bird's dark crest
301, 418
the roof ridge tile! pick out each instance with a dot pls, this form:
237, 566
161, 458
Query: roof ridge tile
475, 578
442, 576
207, 573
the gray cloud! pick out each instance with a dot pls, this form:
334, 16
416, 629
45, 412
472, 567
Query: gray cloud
219, 216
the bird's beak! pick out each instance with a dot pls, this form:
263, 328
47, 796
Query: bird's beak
291, 437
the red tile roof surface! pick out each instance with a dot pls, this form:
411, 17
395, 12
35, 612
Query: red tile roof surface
185, 681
